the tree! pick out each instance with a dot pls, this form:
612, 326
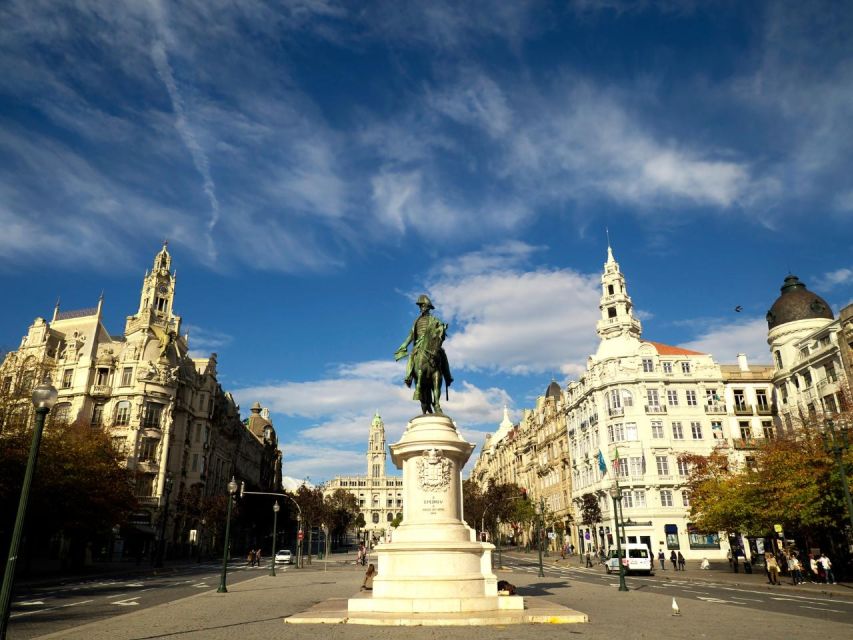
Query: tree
397, 521
341, 508
590, 513
81, 488
473, 504
313, 507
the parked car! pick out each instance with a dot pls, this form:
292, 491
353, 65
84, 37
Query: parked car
284, 557
640, 560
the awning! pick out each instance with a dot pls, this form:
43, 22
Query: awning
670, 528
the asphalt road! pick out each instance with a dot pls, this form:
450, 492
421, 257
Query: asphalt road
783, 599
48, 608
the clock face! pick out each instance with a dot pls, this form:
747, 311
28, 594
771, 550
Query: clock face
163, 289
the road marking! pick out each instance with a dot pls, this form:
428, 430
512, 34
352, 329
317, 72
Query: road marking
32, 603
749, 599
118, 595
718, 600
128, 603
62, 606
691, 591
783, 599
134, 584
804, 606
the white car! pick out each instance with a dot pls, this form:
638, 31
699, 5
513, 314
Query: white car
639, 560
284, 557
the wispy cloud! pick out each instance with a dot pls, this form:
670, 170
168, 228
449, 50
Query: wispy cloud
832, 279
724, 340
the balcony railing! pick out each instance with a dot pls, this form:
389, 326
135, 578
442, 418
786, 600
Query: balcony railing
616, 412
744, 443
656, 408
715, 408
100, 390
148, 501
743, 409
764, 410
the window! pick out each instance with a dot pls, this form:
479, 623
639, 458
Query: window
389, 517
148, 450
631, 431
614, 399
685, 367
389, 502
662, 465
677, 431
652, 397
627, 398
829, 369
807, 378
67, 378
672, 397
7, 384
829, 404
628, 499
691, 398
767, 428
657, 429
153, 413
375, 518
711, 397
610, 289
637, 466
127, 376
102, 376
717, 430
639, 498
696, 430
61, 413
145, 485
648, 365
804, 352
195, 462
778, 356
740, 400
745, 430
665, 498
375, 470
685, 498
683, 468
623, 467
761, 399
667, 367
98, 415
122, 418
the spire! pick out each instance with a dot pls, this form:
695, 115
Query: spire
55, 310
610, 258
506, 423
617, 316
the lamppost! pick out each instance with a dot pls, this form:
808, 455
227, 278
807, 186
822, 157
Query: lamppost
232, 489
498, 535
44, 397
161, 547
275, 509
541, 513
616, 494
837, 443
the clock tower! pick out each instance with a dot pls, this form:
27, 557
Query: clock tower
157, 296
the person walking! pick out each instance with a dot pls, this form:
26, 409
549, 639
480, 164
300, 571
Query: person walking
250, 558
662, 560
682, 563
367, 585
826, 563
674, 560
814, 570
795, 568
772, 568
258, 557
588, 559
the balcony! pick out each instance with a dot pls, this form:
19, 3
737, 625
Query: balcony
718, 408
100, 391
656, 408
721, 444
765, 410
745, 443
616, 412
743, 409
148, 501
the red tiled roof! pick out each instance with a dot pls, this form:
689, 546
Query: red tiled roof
668, 350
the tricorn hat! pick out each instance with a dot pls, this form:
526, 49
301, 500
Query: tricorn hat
424, 299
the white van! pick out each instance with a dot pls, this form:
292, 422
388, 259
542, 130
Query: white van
640, 559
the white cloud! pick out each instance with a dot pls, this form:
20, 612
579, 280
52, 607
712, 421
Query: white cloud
832, 279
725, 340
207, 339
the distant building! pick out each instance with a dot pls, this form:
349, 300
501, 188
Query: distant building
380, 496
164, 409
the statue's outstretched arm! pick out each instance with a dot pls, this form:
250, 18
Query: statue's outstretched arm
402, 351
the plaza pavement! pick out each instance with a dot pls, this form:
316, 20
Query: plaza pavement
255, 608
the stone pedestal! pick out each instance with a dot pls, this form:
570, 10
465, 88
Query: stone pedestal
433, 562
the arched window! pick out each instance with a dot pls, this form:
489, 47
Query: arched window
122, 416
375, 518
389, 517
627, 398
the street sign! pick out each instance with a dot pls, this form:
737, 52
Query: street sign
299, 535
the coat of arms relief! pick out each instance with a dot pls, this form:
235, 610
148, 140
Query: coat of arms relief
434, 470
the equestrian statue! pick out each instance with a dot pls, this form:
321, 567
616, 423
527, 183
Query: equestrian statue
427, 363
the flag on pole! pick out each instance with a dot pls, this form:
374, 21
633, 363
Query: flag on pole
602, 465
616, 461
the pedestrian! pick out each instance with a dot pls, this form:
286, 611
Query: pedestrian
662, 560
772, 568
588, 559
795, 568
814, 570
674, 560
735, 554
367, 585
705, 564
826, 563
681, 562
250, 558
258, 557
571, 549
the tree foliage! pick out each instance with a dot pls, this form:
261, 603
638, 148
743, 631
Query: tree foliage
590, 509
341, 510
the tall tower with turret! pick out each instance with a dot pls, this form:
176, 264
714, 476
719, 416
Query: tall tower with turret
376, 451
157, 296
617, 316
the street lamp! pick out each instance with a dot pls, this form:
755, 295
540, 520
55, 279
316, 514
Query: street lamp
275, 509
232, 489
44, 397
498, 535
616, 494
161, 548
837, 443
541, 513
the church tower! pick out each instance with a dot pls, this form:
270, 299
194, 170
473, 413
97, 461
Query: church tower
617, 317
157, 296
376, 451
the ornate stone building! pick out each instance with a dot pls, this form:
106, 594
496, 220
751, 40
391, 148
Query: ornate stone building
180, 432
643, 403
811, 354
380, 496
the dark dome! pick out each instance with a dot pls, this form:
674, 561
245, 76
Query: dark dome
797, 303
553, 390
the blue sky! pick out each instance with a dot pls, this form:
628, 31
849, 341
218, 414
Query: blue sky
317, 164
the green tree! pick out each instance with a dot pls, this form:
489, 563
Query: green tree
590, 513
341, 508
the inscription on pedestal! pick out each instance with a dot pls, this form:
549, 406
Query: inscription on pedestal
433, 505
